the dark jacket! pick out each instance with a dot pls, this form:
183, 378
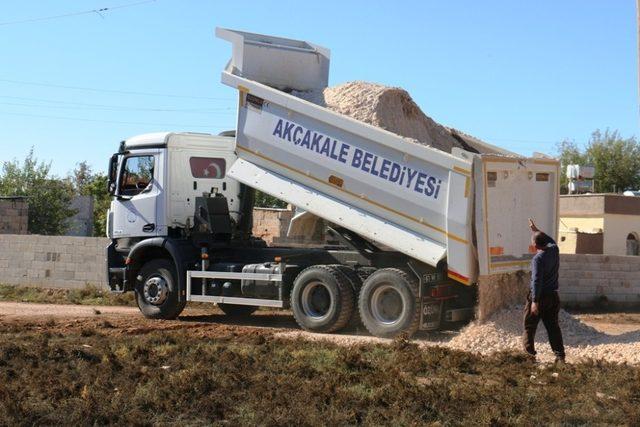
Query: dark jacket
544, 271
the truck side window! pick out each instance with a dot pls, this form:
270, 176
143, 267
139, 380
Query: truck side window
207, 167
137, 174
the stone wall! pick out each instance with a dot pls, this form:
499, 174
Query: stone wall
52, 261
72, 262
14, 215
600, 280
271, 224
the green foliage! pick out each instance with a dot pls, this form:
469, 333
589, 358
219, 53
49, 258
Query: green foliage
616, 161
264, 200
49, 198
87, 183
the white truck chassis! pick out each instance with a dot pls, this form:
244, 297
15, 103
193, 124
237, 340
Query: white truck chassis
444, 219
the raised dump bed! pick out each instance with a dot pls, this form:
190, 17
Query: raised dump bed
465, 209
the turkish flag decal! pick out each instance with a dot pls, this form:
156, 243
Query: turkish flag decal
207, 167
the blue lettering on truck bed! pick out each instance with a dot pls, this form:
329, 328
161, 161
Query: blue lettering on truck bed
373, 164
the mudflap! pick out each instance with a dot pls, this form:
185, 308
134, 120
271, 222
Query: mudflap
431, 314
117, 280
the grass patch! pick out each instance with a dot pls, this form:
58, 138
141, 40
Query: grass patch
89, 295
169, 377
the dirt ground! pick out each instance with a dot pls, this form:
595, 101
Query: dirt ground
97, 365
210, 320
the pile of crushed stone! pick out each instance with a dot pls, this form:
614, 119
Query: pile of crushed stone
503, 332
393, 109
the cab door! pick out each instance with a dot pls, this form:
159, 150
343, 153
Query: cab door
138, 194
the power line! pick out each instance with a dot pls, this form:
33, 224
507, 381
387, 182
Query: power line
85, 107
122, 92
99, 12
79, 119
57, 101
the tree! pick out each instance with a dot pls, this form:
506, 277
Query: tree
264, 200
87, 183
616, 160
49, 198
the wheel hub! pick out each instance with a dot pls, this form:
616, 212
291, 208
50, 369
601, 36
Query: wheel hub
386, 305
316, 300
155, 290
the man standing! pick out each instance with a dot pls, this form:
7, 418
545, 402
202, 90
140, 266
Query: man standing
543, 302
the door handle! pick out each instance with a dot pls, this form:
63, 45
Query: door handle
148, 228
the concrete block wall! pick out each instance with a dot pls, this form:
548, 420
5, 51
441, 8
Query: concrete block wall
52, 261
270, 224
73, 262
588, 280
14, 216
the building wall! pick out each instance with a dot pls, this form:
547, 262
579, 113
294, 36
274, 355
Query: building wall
14, 216
583, 224
52, 261
615, 214
271, 224
575, 242
588, 280
616, 229
73, 262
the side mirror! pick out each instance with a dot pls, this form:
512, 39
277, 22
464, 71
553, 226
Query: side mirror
113, 169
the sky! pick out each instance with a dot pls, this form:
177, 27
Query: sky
521, 75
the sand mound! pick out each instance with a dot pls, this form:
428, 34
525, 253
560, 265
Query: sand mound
393, 109
389, 108
499, 291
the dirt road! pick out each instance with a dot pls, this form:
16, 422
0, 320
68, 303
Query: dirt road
613, 337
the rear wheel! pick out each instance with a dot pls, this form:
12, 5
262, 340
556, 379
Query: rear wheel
356, 284
388, 303
157, 292
235, 310
322, 299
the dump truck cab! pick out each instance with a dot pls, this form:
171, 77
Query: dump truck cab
156, 177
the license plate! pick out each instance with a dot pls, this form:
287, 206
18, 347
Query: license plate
430, 315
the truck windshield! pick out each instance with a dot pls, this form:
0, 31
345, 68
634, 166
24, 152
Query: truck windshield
137, 174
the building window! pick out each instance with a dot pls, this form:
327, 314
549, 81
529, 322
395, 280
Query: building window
207, 167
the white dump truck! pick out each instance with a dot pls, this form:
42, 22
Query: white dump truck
417, 226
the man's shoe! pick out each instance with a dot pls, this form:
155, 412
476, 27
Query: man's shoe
560, 360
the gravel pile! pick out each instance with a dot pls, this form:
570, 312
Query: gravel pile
503, 331
393, 109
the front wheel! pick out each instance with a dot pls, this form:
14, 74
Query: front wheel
157, 292
388, 303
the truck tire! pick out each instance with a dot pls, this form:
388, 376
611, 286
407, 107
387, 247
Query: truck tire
388, 303
157, 292
351, 275
322, 299
356, 284
236, 310
365, 272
